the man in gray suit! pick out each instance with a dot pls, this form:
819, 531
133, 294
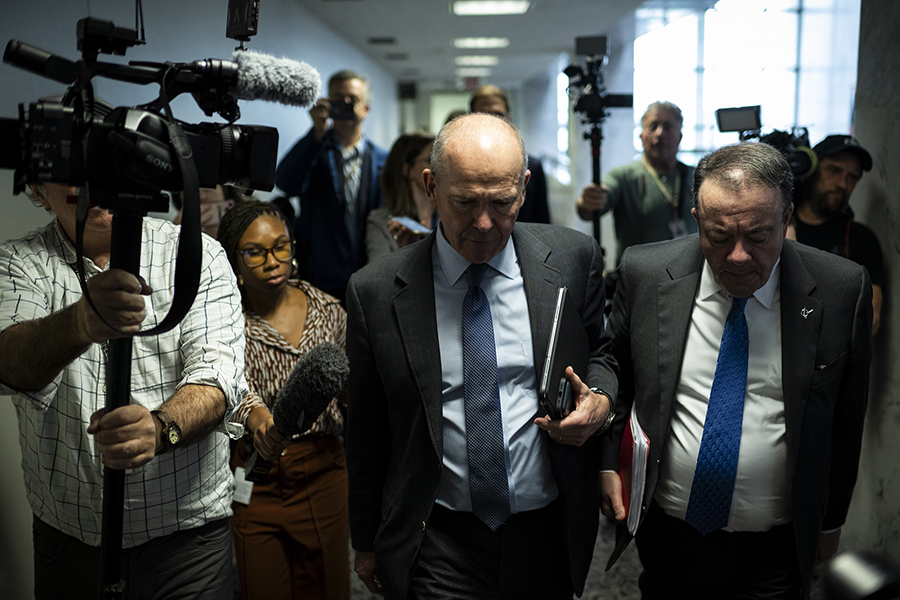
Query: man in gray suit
447, 502
755, 419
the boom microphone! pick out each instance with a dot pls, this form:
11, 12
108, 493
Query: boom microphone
264, 77
251, 75
316, 378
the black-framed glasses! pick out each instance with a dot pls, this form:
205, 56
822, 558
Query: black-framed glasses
256, 257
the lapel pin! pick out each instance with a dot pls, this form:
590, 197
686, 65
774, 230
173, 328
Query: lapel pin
805, 312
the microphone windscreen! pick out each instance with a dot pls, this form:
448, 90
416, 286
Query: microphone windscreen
316, 378
282, 80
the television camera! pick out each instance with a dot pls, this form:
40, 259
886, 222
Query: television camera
592, 99
794, 144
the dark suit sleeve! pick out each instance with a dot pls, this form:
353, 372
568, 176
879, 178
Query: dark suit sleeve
368, 429
850, 411
536, 208
619, 328
294, 168
602, 368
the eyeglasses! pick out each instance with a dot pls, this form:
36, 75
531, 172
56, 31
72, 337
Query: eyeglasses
256, 257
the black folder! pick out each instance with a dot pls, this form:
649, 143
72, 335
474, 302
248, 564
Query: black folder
568, 347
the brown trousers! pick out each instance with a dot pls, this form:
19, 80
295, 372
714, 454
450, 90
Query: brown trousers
292, 540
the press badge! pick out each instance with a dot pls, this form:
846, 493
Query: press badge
678, 229
243, 489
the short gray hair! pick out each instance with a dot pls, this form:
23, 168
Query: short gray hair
347, 75
746, 165
464, 123
661, 105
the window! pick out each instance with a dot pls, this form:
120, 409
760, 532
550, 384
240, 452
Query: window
795, 58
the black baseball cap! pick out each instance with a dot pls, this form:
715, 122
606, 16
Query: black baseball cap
833, 144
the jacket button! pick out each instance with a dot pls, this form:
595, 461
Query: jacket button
423, 525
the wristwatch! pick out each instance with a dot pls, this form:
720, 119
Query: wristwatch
171, 432
610, 417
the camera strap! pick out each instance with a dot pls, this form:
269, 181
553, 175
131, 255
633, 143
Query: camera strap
189, 255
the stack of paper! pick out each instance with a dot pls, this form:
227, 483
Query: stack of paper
633, 453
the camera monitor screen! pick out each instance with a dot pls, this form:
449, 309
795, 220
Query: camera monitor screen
745, 118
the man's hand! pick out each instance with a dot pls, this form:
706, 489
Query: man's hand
611, 504
127, 436
364, 565
118, 296
589, 414
319, 115
828, 545
267, 440
593, 198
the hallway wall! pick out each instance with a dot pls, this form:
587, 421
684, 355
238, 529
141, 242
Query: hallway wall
874, 521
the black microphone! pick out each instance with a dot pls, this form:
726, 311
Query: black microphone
316, 378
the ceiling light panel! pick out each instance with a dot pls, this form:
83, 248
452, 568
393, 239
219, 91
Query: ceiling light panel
473, 72
477, 61
481, 42
489, 7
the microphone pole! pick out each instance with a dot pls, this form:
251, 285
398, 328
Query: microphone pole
125, 253
596, 136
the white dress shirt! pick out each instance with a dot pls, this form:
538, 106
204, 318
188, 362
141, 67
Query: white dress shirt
762, 489
531, 482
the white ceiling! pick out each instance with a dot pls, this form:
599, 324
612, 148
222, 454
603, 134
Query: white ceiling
424, 31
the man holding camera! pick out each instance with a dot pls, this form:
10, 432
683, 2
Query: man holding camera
824, 219
171, 438
335, 172
650, 198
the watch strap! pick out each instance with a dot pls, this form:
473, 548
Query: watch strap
168, 427
609, 417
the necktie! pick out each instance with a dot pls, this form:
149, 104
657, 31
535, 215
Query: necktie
711, 492
484, 426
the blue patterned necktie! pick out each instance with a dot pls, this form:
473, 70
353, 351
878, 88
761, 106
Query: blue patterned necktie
713, 487
484, 426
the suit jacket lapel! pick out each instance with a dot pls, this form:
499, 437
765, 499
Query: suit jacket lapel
801, 321
541, 283
675, 302
416, 319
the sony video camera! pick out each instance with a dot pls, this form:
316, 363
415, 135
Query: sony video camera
129, 152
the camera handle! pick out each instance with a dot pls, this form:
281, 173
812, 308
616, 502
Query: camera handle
125, 253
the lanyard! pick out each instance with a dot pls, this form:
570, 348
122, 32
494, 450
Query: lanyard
673, 200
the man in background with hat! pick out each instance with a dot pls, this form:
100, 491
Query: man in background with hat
823, 218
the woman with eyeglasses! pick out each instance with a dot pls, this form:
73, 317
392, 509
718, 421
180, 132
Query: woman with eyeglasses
291, 535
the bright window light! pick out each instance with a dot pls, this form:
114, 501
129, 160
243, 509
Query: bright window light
477, 61
473, 72
490, 7
483, 42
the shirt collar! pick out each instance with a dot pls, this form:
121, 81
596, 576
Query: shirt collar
354, 151
764, 295
454, 265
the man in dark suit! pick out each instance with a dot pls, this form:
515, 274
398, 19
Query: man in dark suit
763, 409
334, 170
446, 502
491, 100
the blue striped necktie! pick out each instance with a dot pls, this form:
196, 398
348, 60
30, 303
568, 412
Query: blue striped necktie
488, 484
713, 487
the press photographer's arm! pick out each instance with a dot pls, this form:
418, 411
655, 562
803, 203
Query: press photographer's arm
34, 352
